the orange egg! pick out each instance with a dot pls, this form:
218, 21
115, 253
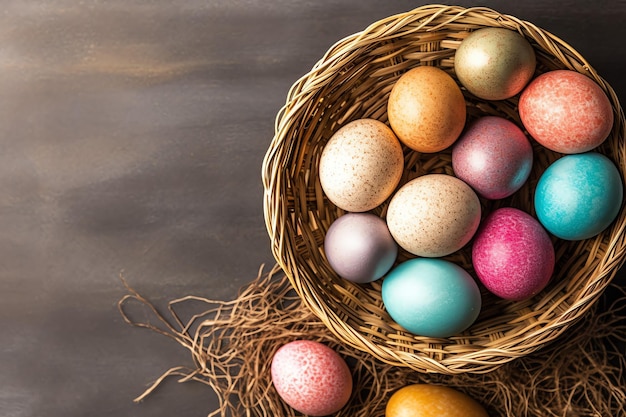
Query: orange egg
426, 109
425, 400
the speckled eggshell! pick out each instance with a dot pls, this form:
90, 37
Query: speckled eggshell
311, 377
512, 254
566, 111
493, 156
361, 165
426, 109
494, 63
430, 400
359, 247
433, 215
578, 196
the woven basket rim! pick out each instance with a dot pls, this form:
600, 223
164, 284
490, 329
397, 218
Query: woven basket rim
460, 354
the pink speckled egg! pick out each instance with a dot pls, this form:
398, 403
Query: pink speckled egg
566, 111
493, 156
512, 254
311, 377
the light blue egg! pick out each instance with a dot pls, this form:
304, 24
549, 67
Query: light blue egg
431, 297
579, 195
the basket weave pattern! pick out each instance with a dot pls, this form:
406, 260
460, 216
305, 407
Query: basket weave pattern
353, 80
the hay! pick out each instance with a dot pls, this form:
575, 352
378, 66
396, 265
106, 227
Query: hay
232, 344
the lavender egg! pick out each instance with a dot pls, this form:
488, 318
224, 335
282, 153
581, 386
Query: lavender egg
493, 156
359, 247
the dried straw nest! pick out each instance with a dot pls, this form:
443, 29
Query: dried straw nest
232, 344
353, 80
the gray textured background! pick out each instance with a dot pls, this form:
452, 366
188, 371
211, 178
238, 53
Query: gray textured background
131, 138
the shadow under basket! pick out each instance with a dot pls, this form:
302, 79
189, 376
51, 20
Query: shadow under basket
352, 81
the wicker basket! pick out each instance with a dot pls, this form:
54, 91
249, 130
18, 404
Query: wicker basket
353, 80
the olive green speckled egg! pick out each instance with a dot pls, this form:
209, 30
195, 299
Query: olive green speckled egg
494, 63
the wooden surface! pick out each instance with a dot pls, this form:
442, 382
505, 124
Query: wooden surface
131, 139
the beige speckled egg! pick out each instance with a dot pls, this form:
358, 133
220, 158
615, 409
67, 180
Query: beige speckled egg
433, 215
426, 109
361, 165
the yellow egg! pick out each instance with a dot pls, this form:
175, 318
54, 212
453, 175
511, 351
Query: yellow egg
361, 165
425, 400
426, 109
433, 215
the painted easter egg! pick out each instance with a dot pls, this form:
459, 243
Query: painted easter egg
578, 196
431, 297
512, 254
566, 111
311, 377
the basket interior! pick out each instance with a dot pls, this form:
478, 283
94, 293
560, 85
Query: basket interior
352, 81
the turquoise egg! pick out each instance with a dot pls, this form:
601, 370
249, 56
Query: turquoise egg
431, 297
579, 195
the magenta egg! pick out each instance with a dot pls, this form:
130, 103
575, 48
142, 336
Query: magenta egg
566, 111
512, 254
311, 377
493, 156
